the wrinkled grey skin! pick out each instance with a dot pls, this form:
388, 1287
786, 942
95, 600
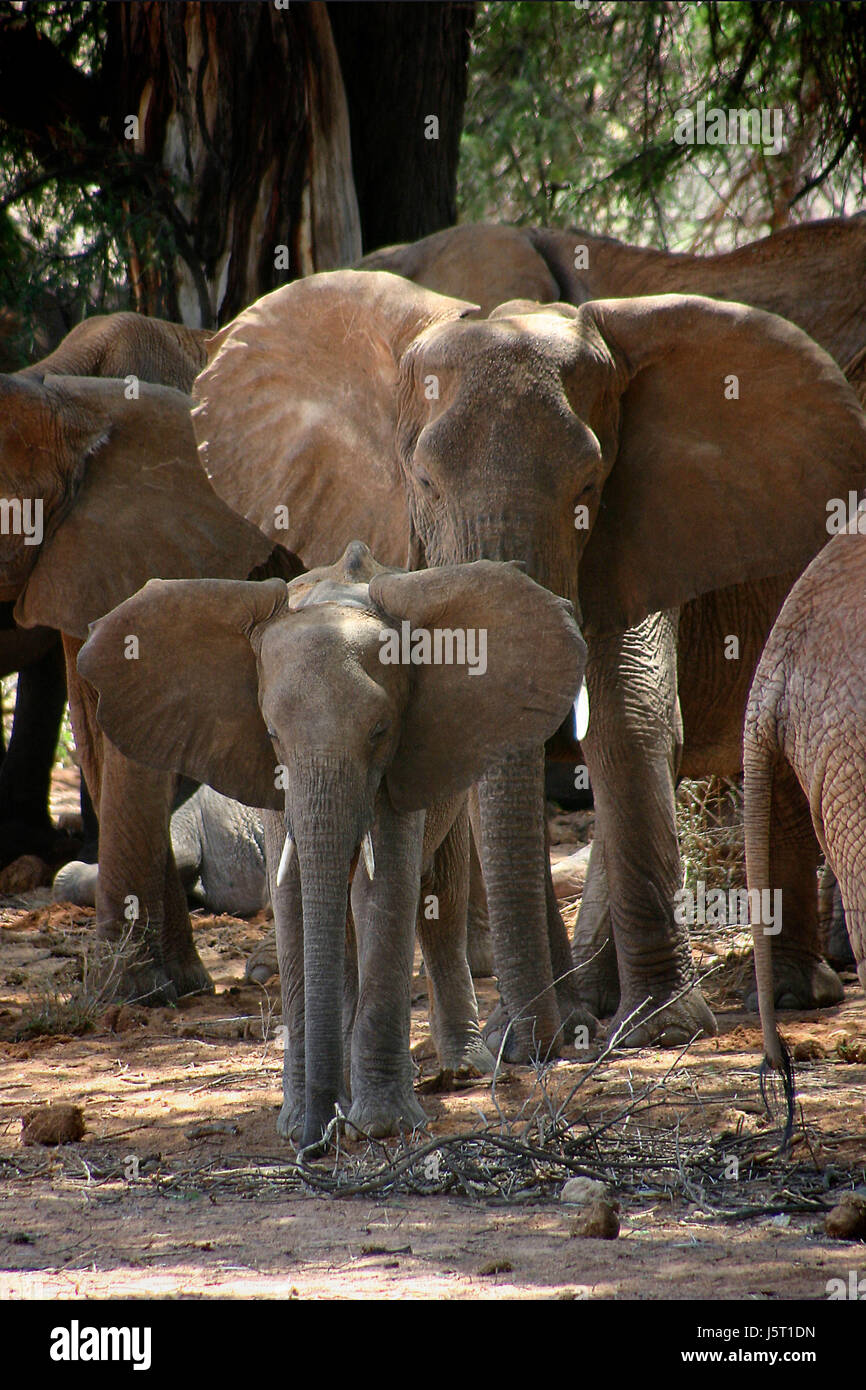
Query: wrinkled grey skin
806, 732
323, 395
219, 849
815, 275
280, 696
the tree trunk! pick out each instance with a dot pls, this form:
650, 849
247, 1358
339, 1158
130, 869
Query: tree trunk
243, 150
402, 64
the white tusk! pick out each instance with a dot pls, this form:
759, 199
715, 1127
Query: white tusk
285, 861
581, 712
369, 857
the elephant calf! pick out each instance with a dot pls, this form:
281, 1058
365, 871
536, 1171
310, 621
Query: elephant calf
347, 704
805, 736
218, 847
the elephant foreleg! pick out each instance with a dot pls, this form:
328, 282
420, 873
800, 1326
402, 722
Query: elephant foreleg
384, 911
632, 748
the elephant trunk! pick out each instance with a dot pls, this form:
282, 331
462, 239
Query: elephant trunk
325, 839
511, 808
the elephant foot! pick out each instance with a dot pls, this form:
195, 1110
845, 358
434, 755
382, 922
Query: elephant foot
143, 984
290, 1121
263, 963
189, 976
381, 1116
580, 1027
466, 1057
672, 1025
799, 982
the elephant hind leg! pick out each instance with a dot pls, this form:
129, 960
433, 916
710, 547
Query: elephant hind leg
479, 942
442, 929
182, 961
801, 977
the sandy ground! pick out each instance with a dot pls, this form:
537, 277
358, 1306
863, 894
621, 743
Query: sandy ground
181, 1187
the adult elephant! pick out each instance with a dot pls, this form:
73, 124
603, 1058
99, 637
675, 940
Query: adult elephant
814, 275
603, 439
124, 345
123, 499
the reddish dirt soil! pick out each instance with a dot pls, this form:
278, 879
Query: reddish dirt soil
181, 1187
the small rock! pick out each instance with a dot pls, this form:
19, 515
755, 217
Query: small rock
847, 1221
598, 1220
53, 1124
581, 1191
24, 874
202, 1131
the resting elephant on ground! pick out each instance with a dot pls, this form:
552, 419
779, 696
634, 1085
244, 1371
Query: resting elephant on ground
123, 499
218, 847
804, 730
108, 345
603, 447
347, 704
814, 275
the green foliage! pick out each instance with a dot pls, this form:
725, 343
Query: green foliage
69, 216
570, 116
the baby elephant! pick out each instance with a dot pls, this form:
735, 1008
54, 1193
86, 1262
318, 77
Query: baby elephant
346, 704
806, 729
218, 847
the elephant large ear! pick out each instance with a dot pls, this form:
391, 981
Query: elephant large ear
736, 431
143, 508
178, 684
489, 262
296, 413
524, 662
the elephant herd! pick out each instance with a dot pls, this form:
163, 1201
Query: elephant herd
299, 588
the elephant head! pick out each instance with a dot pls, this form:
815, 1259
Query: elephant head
127, 344
633, 453
101, 492
319, 699
101, 489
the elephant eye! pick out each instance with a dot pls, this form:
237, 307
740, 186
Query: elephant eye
378, 730
425, 480
271, 734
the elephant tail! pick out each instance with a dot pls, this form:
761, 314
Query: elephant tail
759, 759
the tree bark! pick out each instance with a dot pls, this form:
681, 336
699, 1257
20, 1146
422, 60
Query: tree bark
403, 63
243, 139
